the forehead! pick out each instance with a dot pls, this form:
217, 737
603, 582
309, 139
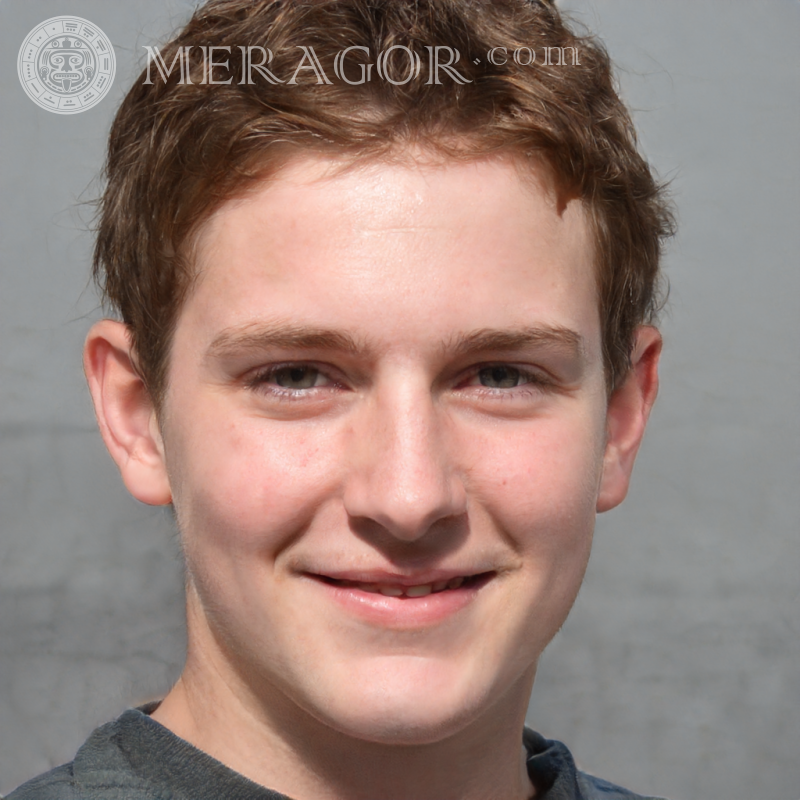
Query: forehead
409, 186
451, 244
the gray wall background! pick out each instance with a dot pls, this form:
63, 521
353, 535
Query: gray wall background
678, 672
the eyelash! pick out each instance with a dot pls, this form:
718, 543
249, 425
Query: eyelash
261, 379
534, 383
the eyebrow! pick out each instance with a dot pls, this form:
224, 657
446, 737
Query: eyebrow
261, 336
548, 336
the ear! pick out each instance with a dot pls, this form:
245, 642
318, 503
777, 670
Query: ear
125, 413
626, 417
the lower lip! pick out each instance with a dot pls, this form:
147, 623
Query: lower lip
402, 612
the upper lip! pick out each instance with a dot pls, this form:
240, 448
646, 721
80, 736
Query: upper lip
380, 576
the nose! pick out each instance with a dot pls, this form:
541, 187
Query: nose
403, 476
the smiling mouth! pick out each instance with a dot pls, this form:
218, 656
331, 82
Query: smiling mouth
414, 590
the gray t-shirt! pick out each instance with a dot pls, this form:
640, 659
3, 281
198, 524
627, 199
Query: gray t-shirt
136, 758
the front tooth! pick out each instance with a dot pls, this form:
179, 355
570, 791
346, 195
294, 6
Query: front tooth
419, 591
455, 583
391, 591
439, 586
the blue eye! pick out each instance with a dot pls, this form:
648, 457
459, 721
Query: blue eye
500, 377
296, 377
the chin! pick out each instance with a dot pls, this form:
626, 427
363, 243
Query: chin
403, 725
413, 703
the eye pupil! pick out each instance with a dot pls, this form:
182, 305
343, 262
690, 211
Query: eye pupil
296, 377
499, 377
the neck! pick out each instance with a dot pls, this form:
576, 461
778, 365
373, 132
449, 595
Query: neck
266, 737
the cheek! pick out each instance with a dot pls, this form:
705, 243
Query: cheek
249, 485
540, 483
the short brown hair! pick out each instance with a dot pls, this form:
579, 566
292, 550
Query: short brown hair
179, 149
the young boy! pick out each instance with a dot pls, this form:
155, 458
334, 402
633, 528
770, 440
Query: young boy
385, 274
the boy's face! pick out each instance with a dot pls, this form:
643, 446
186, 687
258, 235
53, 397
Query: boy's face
385, 431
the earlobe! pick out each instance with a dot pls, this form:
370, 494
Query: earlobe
626, 418
125, 413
